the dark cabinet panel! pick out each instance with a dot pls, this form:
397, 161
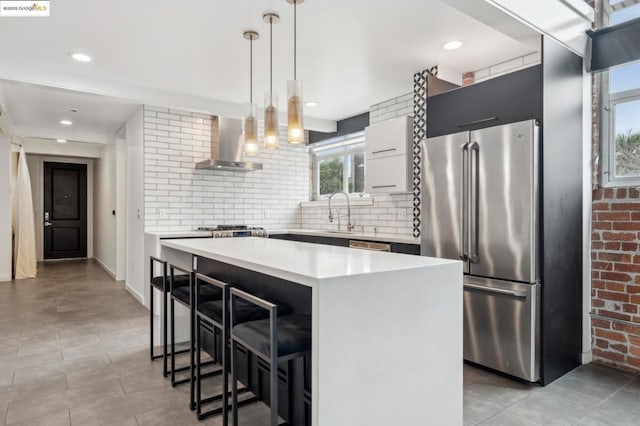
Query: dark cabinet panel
507, 99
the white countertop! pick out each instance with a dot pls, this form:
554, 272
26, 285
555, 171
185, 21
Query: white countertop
180, 234
304, 263
369, 236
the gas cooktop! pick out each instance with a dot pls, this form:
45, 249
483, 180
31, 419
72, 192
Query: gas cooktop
228, 228
227, 231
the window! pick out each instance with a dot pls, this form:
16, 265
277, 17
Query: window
339, 165
620, 93
621, 126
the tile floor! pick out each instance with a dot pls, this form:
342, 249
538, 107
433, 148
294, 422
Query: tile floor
73, 350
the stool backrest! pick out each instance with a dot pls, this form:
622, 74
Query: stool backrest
264, 304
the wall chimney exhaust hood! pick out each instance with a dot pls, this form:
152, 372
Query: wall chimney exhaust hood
226, 147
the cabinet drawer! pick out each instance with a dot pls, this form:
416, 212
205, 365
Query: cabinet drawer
388, 138
388, 174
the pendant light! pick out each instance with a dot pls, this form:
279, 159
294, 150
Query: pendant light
250, 125
271, 136
295, 132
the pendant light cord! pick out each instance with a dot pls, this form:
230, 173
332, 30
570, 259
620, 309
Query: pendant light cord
271, 61
295, 47
251, 70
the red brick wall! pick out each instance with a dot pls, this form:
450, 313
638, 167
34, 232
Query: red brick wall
616, 277
468, 78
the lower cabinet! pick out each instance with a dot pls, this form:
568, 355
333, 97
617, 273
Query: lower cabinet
344, 242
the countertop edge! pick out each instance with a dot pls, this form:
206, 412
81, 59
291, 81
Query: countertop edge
389, 238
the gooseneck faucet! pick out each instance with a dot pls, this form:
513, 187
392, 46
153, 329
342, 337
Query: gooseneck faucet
350, 226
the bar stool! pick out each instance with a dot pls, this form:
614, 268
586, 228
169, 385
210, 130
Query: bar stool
161, 283
185, 295
216, 315
274, 339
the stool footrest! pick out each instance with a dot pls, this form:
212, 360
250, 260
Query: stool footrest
217, 411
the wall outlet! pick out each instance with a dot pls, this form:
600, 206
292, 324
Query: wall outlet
162, 213
267, 214
402, 214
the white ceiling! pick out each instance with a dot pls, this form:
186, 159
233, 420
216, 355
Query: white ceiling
36, 111
351, 54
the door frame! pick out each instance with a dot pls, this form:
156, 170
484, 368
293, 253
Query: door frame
39, 200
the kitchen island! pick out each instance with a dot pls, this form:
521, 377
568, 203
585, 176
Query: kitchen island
387, 327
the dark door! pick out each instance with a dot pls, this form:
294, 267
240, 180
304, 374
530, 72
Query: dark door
65, 210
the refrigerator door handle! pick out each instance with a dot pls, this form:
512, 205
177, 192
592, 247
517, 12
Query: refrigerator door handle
464, 159
518, 294
474, 200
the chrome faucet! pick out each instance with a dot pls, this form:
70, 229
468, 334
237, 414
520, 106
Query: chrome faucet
350, 226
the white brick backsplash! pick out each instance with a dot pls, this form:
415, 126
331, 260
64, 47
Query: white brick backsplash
509, 66
175, 140
385, 215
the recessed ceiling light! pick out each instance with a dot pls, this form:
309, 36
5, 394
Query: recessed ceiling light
61, 140
452, 45
311, 104
66, 122
81, 57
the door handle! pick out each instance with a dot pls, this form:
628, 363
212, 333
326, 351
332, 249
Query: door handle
384, 186
518, 294
48, 224
462, 252
383, 150
474, 196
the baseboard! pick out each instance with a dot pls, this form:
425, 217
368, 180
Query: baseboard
587, 357
4, 278
105, 267
135, 294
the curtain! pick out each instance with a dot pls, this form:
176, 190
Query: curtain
24, 225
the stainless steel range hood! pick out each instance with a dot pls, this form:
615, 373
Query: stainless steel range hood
226, 147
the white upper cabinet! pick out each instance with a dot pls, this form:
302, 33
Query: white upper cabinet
387, 138
389, 156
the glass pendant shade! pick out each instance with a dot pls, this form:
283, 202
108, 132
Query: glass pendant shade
250, 130
271, 136
295, 133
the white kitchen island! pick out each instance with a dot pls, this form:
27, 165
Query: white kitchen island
387, 327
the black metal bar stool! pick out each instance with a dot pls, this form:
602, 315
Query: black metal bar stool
215, 314
274, 339
161, 283
186, 296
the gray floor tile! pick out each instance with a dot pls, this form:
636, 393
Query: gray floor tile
506, 418
596, 381
477, 410
622, 409
58, 418
32, 408
554, 405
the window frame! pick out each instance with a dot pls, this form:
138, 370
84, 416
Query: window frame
606, 107
609, 102
337, 148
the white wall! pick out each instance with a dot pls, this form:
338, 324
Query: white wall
179, 197
135, 208
5, 212
104, 198
35, 163
69, 149
121, 208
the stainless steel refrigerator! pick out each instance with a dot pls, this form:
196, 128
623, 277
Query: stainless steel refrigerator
480, 198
